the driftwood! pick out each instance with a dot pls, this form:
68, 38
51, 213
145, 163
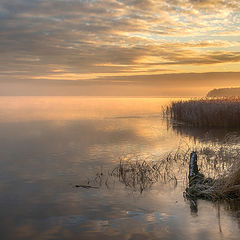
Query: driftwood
85, 186
199, 185
193, 168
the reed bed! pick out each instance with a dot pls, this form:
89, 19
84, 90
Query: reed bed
223, 188
141, 175
208, 112
137, 173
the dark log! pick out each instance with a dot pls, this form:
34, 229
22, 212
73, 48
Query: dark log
197, 183
193, 167
85, 186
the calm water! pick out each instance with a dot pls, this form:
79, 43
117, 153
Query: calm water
50, 144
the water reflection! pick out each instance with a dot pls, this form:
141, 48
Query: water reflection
48, 145
211, 135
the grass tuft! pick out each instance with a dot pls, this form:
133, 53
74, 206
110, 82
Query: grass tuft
223, 188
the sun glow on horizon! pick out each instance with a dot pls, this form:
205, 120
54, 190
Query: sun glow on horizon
101, 40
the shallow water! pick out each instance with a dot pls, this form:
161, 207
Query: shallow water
50, 144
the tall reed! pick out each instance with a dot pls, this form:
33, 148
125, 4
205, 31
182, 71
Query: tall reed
208, 112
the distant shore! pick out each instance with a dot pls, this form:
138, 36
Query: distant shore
224, 92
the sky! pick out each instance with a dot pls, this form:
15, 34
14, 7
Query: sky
118, 47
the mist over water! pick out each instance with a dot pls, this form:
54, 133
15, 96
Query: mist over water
50, 144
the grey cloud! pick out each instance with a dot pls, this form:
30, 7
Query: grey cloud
38, 36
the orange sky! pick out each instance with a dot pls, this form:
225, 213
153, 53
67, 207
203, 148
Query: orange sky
119, 47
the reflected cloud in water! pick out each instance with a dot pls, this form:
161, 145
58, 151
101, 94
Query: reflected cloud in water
48, 145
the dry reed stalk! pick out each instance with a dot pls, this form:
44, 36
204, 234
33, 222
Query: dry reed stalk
139, 175
222, 188
208, 112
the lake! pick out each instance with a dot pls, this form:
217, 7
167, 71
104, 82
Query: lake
50, 145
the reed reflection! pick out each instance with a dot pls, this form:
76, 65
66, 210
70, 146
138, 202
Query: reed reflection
45, 153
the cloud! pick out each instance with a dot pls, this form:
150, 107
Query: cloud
93, 39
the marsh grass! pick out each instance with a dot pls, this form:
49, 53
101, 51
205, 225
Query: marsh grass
141, 175
218, 162
224, 187
137, 173
208, 112
223, 182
